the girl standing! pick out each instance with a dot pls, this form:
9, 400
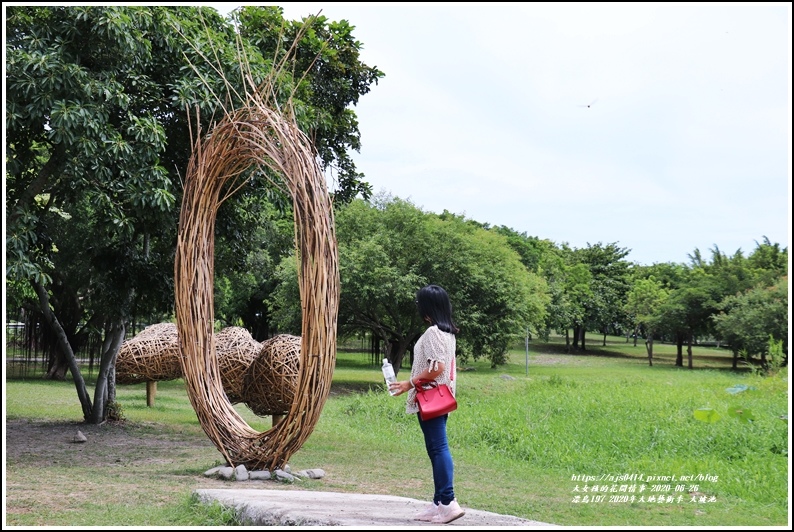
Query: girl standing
434, 359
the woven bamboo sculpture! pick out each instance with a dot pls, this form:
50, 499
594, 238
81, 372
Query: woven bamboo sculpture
270, 381
256, 134
262, 376
236, 350
151, 355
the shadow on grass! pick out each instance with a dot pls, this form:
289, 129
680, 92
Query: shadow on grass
351, 387
559, 349
700, 361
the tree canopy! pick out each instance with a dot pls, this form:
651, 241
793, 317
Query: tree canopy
389, 249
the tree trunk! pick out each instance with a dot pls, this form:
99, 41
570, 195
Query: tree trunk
375, 348
396, 349
63, 344
28, 196
112, 374
576, 333
58, 365
114, 336
567, 341
649, 348
636, 334
604, 343
582, 333
679, 346
735, 358
689, 349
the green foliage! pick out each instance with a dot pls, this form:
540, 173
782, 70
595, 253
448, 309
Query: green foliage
86, 140
708, 415
775, 354
282, 304
531, 249
213, 514
609, 284
645, 300
389, 249
755, 320
741, 413
256, 236
115, 412
570, 287
699, 302
768, 262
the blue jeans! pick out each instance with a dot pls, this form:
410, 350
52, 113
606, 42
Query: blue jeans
435, 431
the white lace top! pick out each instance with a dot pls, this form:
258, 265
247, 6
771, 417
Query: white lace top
433, 346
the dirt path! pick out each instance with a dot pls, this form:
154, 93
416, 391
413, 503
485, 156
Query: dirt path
49, 478
43, 443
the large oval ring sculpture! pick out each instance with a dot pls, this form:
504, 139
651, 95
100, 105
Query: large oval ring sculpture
256, 135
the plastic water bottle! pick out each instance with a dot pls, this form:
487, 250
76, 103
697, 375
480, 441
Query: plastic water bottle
388, 374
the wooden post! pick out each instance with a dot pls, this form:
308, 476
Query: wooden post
151, 391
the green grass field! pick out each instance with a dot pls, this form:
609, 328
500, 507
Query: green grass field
596, 439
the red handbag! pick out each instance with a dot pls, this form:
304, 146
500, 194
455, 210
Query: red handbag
435, 399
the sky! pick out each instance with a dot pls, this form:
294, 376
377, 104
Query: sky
662, 128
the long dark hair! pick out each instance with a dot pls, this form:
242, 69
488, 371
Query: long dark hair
432, 301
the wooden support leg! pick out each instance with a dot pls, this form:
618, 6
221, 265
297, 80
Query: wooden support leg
151, 391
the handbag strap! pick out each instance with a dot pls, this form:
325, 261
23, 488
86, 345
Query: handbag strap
420, 383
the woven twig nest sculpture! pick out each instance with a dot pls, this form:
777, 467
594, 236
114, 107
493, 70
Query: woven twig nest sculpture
236, 350
151, 355
264, 134
271, 379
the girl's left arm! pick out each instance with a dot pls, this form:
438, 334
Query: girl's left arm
429, 374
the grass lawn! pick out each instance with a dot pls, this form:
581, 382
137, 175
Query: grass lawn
595, 439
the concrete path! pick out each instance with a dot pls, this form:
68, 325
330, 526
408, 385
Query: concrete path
317, 508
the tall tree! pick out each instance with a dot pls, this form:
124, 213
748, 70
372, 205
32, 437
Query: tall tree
497, 297
688, 309
645, 299
700, 293
609, 286
768, 262
748, 320
256, 227
570, 286
389, 249
84, 139
531, 249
